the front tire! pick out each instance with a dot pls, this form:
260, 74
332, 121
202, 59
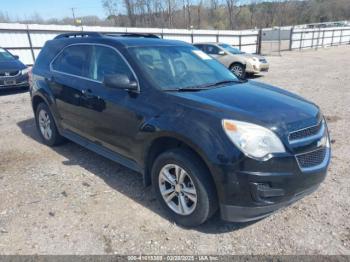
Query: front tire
238, 70
46, 126
183, 187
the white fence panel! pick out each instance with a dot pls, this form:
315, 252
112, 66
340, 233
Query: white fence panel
232, 40
318, 37
39, 38
249, 49
27, 40
25, 55
204, 38
14, 39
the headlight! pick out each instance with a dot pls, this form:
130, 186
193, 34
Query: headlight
254, 141
25, 71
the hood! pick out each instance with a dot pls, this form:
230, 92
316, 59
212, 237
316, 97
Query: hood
258, 103
252, 55
11, 65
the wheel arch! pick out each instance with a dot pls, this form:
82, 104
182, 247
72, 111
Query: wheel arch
167, 142
44, 96
238, 63
36, 100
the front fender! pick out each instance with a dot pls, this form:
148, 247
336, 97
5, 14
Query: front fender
201, 132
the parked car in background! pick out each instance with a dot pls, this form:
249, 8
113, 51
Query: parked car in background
13, 73
204, 139
238, 62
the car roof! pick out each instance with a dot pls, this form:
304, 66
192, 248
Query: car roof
208, 43
124, 40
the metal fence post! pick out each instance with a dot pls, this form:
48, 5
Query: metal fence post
318, 38
341, 37
291, 38
313, 38
323, 33
279, 41
240, 42
332, 37
30, 43
258, 46
301, 40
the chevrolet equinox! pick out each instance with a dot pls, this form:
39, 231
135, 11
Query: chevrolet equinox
204, 140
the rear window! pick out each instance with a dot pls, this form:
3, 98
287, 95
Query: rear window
73, 60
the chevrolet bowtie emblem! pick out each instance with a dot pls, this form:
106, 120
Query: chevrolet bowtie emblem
322, 142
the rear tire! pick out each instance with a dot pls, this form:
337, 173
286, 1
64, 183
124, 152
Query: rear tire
184, 187
238, 70
46, 126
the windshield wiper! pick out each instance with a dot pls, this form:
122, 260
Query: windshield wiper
204, 87
223, 82
216, 84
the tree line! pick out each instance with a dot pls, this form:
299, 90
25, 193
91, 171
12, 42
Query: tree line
208, 14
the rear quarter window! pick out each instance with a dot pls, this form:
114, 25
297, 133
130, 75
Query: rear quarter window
73, 60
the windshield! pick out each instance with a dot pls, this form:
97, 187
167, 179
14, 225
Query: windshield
231, 49
5, 56
179, 67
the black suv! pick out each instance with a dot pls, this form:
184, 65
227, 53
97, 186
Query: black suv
204, 139
13, 73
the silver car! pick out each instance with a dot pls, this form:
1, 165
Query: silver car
238, 62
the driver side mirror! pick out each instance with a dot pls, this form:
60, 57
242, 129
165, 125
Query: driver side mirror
120, 81
221, 52
16, 57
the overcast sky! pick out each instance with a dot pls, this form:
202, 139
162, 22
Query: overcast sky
50, 8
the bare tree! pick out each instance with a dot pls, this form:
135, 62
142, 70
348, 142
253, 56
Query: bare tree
130, 9
219, 14
4, 17
253, 7
189, 16
233, 10
111, 8
199, 13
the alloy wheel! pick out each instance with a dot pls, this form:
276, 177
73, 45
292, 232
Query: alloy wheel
177, 189
237, 70
45, 124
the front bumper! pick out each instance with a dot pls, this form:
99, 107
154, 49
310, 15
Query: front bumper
252, 189
257, 68
14, 82
246, 213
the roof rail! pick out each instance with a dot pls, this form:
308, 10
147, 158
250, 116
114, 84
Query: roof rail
133, 35
78, 34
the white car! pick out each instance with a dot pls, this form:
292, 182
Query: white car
237, 61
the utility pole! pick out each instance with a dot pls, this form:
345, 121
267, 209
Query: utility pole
73, 13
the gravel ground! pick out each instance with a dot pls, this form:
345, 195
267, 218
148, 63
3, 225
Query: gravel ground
68, 200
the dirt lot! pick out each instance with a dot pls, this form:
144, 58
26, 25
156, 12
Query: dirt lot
68, 200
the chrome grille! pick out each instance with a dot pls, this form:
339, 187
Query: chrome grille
313, 158
9, 73
306, 132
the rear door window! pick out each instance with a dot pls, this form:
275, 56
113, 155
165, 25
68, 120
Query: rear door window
212, 50
73, 60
